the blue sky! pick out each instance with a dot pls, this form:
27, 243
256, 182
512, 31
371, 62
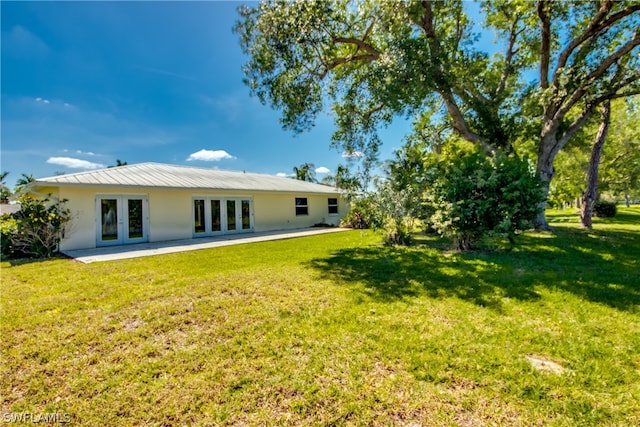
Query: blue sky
87, 83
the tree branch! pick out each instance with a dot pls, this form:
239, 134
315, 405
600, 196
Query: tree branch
372, 54
545, 45
442, 87
508, 57
573, 127
597, 73
459, 123
427, 20
592, 29
614, 57
361, 44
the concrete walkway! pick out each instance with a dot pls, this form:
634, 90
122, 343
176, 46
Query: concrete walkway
112, 253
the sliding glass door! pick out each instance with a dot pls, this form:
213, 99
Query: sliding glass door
212, 215
121, 219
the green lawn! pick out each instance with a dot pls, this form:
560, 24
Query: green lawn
334, 329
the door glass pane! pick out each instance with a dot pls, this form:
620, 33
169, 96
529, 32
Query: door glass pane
231, 214
135, 218
216, 218
198, 216
246, 215
109, 213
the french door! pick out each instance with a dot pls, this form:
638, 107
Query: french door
122, 219
212, 215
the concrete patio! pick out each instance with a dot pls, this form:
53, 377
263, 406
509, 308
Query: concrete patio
112, 253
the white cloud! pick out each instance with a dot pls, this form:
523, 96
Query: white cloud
74, 163
86, 153
210, 155
322, 169
44, 101
284, 175
353, 154
22, 43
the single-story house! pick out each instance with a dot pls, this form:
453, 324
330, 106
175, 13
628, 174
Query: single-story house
151, 202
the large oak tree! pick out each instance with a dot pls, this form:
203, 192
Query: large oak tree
371, 61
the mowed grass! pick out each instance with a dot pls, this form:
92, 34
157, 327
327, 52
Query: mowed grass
334, 329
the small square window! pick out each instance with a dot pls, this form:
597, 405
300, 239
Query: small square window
302, 207
333, 206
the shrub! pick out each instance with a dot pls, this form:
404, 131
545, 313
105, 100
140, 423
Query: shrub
398, 208
8, 227
604, 209
476, 196
363, 214
35, 230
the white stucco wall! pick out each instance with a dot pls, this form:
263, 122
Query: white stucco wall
171, 211
277, 211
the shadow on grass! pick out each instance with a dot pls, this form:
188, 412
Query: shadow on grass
598, 266
24, 260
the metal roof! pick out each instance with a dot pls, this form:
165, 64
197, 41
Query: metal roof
172, 176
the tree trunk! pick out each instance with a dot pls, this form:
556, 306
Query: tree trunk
590, 195
545, 171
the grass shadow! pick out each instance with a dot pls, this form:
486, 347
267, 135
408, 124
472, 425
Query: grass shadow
24, 260
598, 266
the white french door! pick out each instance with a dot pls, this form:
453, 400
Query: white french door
214, 215
122, 219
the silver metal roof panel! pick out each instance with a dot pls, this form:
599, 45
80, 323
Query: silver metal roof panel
173, 176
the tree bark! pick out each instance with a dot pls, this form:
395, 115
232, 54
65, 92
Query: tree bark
590, 195
548, 149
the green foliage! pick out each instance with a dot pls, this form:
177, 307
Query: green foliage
35, 230
344, 180
305, 172
398, 212
8, 228
620, 165
363, 214
401, 196
370, 62
604, 209
476, 196
5, 192
619, 175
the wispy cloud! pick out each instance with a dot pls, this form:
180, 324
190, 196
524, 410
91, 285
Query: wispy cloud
72, 163
323, 169
21, 42
164, 72
210, 155
231, 106
86, 153
349, 154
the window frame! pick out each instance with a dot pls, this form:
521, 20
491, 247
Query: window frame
334, 205
302, 209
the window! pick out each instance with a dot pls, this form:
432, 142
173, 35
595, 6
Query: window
302, 206
333, 206
198, 216
216, 216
